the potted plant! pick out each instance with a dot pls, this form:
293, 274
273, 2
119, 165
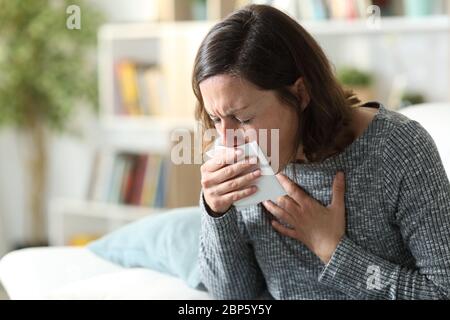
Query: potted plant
359, 81
410, 98
43, 77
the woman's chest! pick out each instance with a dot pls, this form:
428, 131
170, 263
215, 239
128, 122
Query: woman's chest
369, 221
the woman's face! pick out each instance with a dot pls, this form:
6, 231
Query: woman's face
234, 103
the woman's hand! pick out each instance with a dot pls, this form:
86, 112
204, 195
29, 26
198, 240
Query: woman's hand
319, 228
223, 181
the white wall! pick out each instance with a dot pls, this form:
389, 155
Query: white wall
12, 207
69, 165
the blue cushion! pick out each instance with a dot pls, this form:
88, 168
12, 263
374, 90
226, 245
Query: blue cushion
166, 242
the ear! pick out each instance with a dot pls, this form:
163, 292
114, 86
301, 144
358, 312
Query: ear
299, 89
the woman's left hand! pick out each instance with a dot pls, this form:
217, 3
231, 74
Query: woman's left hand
319, 228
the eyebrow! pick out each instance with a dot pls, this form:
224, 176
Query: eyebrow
230, 113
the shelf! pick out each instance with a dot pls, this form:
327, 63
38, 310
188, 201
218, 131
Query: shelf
387, 25
68, 217
325, 27
147, 124
143, 134
99, 210
142, 30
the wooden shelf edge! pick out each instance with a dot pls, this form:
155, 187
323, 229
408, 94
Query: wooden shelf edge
109, 211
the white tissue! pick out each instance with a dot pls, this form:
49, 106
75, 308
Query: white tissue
269, 188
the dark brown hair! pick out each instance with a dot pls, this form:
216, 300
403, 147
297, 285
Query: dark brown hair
271, 50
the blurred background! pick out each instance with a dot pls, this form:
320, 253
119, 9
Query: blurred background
91, 93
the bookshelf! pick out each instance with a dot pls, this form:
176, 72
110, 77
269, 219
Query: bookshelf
184, 10
69, 217
169, 47
435, 23
132, 175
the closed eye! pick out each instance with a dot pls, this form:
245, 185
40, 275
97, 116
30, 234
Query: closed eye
242, 122
248, 121
215, 120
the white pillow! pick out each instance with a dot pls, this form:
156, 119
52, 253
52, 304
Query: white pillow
130, 284
77, 273
34, 273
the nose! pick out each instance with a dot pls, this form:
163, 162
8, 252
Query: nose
230, 134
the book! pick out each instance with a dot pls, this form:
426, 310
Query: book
157, 92
116, 185
319, 9
127, 81
139, 180
148, 195
340, 9
161, 185
362, 7
149, 180
141, 90
128, 179
101, 176
351, 9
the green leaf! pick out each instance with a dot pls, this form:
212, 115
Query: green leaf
45, 69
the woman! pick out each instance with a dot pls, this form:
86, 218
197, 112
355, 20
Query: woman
367, 215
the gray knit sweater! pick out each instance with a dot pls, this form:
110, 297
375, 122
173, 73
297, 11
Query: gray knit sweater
397, 242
